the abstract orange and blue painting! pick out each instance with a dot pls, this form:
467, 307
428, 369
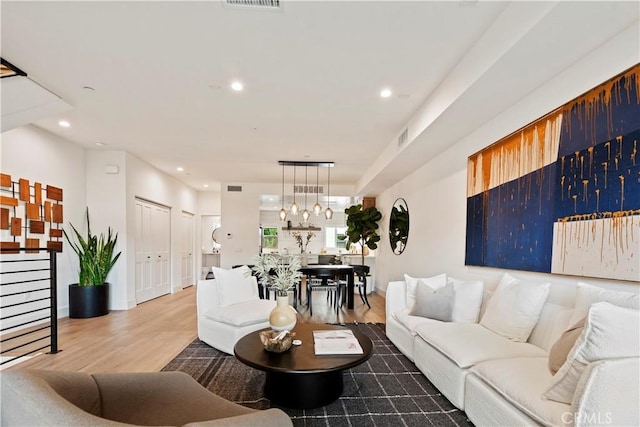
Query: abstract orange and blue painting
562, 195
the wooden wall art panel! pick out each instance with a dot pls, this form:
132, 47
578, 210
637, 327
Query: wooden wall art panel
32, 243
30, 218
36, 227
54, 193
562, 195
10, 245
8, 201
57, 214
4, 219
37, 193
16, 226
33, 211
5, 180
23, 184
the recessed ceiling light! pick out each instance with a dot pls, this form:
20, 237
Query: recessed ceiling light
206, 185
100, 144
385, 93
237, 86
64, 123
179, 168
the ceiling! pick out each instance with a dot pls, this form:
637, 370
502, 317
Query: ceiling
152, 78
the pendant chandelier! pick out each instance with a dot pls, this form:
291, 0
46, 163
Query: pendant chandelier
294, 209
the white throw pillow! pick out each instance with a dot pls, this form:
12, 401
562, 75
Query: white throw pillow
610, 332
234, 286
514, 308
468, 300
434, 303
435, 282
588, 294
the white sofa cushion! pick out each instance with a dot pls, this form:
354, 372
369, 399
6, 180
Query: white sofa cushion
610, 332
586, 295
235, 286
469, 343
514, 308
521, 382
242, 314
412, 322
468, 301
435, 282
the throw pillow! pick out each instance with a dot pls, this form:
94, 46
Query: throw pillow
588, 294
561, 348
468, 300
435, 282
434, 303
514, 308
234, 286
610, 332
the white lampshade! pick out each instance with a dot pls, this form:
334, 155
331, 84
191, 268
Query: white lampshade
283, 214
305, 215
317, 209
294, 209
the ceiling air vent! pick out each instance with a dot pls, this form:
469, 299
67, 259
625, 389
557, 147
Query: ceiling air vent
403, 137
262, 4
308, 189
236, 188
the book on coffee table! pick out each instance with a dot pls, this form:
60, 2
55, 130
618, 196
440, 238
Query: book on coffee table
336, 342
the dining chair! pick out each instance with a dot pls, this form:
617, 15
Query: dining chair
322, 283
360, 272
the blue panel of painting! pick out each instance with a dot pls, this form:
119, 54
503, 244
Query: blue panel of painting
518, 233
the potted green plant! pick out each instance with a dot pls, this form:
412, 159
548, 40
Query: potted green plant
361, 227
90, 296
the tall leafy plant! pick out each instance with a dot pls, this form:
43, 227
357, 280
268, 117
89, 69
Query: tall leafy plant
95, 254
362, 225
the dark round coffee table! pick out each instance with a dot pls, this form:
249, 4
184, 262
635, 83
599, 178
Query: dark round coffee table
298, 378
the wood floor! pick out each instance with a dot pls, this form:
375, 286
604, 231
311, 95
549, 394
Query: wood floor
147, 337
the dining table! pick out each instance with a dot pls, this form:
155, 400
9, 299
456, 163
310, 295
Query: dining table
333, 270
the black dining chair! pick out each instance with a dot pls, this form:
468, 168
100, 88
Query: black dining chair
360, 273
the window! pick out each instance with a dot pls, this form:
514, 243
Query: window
269, 238
335, 237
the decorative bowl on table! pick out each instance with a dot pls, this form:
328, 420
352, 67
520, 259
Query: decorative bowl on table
276, 341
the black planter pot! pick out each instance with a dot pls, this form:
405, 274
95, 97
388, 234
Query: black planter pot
88, 301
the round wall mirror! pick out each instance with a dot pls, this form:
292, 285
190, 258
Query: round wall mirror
399, 226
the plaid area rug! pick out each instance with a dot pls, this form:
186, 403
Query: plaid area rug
387, 390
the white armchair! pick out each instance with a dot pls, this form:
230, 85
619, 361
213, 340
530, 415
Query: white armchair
220, 325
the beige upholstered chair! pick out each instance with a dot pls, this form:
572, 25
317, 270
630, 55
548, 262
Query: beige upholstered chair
54, 398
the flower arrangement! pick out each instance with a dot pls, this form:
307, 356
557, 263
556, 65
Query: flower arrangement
303, 242
274, 273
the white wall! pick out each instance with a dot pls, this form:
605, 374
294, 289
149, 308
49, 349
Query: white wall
34, 154
436, 193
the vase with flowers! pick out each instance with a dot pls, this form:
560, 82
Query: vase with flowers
280, 276
303, 242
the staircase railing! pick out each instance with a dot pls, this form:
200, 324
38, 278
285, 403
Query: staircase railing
28, 302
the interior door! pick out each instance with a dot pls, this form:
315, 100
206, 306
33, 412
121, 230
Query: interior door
144, 253
187, 239
153, 249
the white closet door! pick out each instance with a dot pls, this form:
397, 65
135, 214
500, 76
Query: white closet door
144, 260
187, 238
153, 243
161, 226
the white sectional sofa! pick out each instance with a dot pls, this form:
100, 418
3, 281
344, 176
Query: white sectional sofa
500, 382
